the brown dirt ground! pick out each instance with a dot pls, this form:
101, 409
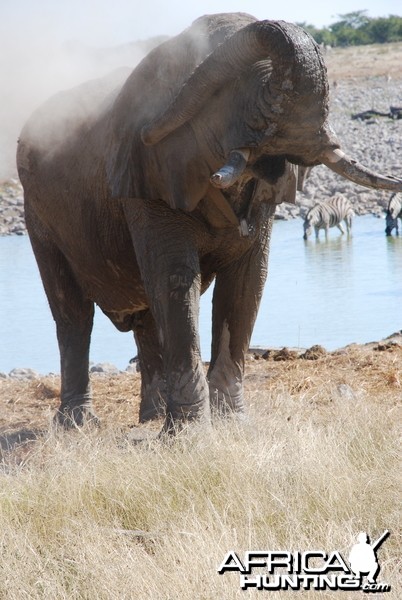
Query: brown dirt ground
374, 60
372, 369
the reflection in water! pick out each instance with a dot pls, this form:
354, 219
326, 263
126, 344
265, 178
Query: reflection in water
329, 292
331, 261
394, 262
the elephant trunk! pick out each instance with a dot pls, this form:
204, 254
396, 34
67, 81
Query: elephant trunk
274, 40
340, 163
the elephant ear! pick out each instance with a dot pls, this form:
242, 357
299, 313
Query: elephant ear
174, 169
171, 171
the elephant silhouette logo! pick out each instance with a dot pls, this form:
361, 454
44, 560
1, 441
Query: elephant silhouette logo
363, 558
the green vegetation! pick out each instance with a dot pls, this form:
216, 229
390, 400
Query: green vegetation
357, 29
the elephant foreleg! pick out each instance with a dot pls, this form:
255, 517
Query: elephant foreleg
170, 271
153, 380
175, 306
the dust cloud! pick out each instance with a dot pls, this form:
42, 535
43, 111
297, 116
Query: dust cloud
33, 68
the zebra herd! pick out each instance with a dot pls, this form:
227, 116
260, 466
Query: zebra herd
338, 209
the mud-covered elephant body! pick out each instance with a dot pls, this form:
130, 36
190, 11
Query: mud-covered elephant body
140, 190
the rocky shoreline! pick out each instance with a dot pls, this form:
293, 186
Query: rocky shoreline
101, 369
12, 221
375, 141
316, 352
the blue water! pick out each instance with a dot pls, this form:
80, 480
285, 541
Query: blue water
330, 293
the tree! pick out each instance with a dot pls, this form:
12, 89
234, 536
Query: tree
356, 28
350, 31
321, 36
354, 20
386, 30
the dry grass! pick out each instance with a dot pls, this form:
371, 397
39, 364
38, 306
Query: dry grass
373, 60
91, 515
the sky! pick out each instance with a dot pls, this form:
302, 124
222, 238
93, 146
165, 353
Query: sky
115, 21
36, 36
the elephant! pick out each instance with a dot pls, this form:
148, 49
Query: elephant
142, 188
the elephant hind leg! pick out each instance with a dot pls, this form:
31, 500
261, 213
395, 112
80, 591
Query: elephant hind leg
153, 380
73, 314
225, 378
236, 299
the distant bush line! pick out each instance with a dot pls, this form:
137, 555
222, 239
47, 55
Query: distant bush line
357, 29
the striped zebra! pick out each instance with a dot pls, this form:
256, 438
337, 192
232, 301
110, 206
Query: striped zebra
394, 212
329, 214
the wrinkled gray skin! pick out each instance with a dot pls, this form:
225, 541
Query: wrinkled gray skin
121, 210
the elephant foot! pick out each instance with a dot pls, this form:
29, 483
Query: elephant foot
185, 417
153, 404
227, 404
151, 413
70, 417
187, 401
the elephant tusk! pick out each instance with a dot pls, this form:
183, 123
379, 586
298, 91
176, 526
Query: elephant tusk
231, 171
340, 163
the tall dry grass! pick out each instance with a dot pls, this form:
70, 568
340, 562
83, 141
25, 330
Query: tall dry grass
89, 515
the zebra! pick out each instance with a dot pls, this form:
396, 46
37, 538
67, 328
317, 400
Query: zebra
324, 215
394, 212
